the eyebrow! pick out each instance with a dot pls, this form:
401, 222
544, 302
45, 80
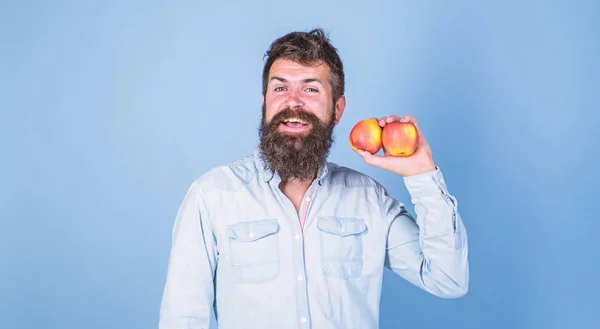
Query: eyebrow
307, 80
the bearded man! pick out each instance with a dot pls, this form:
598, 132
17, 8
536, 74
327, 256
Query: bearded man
283, 238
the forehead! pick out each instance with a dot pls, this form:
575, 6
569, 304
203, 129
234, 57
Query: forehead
291, 70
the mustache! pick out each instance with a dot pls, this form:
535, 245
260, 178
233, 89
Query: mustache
296, 112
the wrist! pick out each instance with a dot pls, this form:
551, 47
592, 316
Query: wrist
423, 170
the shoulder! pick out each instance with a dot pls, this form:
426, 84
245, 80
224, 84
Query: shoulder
229, 176
349, 177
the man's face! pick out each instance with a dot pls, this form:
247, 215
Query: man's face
298, 118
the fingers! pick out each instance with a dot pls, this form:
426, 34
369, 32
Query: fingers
385, 120
392, 118
407, 118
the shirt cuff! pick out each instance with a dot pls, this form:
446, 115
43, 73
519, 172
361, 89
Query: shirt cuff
426, 184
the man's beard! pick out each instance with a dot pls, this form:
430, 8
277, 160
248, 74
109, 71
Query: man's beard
296, 155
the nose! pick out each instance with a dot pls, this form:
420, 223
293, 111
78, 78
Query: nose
294, 99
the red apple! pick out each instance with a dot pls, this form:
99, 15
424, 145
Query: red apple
366, 135
400, 138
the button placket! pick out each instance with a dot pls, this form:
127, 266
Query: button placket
301, 287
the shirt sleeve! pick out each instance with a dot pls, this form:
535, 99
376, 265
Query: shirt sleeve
430, 252
188, 295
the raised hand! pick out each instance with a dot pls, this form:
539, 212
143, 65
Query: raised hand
421, 161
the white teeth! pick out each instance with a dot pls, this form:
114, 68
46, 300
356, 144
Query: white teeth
295, 120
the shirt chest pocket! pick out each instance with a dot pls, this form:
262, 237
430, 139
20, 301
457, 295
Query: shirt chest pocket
254, 250
341, 246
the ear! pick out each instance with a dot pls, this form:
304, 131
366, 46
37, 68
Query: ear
340, 106
263, 100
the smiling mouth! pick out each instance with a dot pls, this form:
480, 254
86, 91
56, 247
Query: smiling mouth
295, 123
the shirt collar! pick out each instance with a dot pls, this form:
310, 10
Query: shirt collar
267, 174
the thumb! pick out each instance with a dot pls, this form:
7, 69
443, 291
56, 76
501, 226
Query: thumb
369, 158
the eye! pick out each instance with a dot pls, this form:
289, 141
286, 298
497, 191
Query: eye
312, 90
279, 89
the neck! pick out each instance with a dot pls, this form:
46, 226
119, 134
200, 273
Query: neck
295, 184
294, 190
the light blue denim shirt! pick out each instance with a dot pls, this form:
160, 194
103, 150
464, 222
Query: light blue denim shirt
237, 246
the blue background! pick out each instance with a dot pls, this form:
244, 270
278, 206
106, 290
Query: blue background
109, 109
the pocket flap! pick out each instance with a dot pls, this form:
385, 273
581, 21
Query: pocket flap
342, 226
252, 231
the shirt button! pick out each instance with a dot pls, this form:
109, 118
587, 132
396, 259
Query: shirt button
303, 319
300, 277
251, 235
308, 199
343, 230
297, 236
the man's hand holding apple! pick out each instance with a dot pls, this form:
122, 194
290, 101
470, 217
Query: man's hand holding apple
406, 152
